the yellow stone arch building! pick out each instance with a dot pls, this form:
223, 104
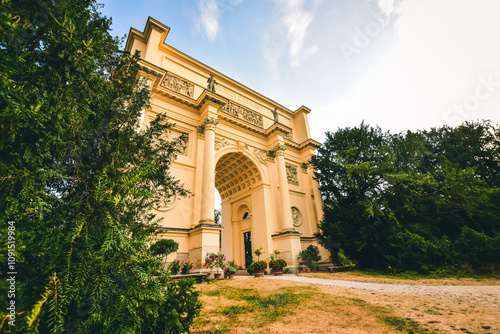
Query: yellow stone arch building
254, 151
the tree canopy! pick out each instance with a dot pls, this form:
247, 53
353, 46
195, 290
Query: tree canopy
78, 177
413, 201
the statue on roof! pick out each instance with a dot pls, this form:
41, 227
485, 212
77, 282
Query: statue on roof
211, 83
275, 114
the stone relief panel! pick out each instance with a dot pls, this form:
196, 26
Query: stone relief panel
291, 175
304, 167
241, 146
166, 203
178, 85
296, 217
243, 113
261, 155
221, 143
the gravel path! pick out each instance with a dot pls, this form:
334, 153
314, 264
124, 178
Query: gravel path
487, 295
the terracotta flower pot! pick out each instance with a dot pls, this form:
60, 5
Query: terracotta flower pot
278, 271
301, 271
308, 270
258, 273
217, 275
231, 276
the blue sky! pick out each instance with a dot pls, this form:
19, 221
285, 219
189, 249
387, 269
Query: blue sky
399, 64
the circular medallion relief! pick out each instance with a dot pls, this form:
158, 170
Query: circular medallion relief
166, 203
296, 216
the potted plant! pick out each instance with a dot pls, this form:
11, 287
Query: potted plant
186, 267
175, 267
258, 268
301, 267
313, 265
250, 270
230, 271
309, 256
216, 261
277, 266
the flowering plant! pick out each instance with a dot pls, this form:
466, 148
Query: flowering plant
186, 267
214, 260
175, 267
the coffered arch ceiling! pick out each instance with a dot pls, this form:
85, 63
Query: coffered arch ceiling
234, 174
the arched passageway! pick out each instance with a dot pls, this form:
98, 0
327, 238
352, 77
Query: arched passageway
238, 181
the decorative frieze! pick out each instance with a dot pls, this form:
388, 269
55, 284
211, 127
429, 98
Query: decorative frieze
241, 112
291, 175
178, 85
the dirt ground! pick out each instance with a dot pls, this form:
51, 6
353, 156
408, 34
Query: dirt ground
330, 309
360, 277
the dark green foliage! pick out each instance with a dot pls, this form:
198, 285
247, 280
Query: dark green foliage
164, 247
78, 177
309, 256
413, 201
313, 252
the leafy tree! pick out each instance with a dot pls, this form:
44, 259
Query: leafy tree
78, 177
412, 201
217, 216
350, 168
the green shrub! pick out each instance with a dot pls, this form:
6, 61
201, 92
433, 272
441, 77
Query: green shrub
164, 247
314, 252
309, 256
279, 263
257, 265
231, 270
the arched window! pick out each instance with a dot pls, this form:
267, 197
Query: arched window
246, 215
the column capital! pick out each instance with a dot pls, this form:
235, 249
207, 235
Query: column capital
209, 123
279, 150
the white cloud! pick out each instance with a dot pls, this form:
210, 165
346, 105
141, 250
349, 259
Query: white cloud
387, 6
209, 18
297, 20
444, 53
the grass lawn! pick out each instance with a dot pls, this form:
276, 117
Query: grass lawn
252, 305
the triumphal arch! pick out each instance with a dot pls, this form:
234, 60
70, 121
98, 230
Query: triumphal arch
249, 148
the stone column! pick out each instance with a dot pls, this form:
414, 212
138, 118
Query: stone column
208, 183
286, 208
